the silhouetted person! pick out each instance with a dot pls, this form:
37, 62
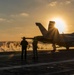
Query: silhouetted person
24, 44
35, 53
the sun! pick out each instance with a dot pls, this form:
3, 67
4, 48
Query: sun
60, 24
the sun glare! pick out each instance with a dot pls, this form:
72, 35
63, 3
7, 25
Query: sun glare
59, 24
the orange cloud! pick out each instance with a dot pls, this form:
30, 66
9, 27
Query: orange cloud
23, 14
2, 19
53, 3
68, 2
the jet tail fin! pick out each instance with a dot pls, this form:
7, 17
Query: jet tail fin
42, 29
51, 25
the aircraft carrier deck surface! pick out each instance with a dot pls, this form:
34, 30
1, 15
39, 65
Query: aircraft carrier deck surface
48, 63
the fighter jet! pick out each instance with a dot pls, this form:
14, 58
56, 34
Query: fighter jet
53, 36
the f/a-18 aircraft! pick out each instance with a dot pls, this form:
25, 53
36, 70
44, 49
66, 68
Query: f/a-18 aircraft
53, 36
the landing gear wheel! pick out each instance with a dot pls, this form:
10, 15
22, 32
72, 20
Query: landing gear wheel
67, 48
54, 47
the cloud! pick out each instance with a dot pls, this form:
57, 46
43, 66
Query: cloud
52, 4
20, 15
68, 2
24, 14
6, 20
9, 21
62, 2
2, 19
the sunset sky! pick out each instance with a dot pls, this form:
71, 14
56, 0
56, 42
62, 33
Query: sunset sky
18, 17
